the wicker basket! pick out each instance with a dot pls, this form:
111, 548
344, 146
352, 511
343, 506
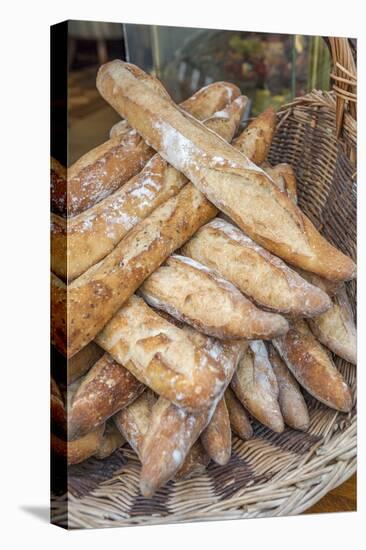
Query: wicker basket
272, 474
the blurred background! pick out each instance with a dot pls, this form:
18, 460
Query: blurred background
270, 69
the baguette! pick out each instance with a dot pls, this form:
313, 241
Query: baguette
95, 296
80, 449
193, 293
290, 398
171, 433
256, 139
172, 430
216, 438
227, 178
255, 385
133, 423
284, 177
111, 441
107, 388
239, 421
313, 368
93, 234
119, 129
330, 287
262, 277
336, 328
83, 361
58, 187
151, 348
105, 168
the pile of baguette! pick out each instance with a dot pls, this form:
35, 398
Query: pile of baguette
190, 294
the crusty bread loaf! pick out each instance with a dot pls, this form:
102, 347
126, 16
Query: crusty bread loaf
262, 277
171, 433
336, 327
239, 420
195, 463
172, 430
330, 287
162, 356
210, 99
79, 364
95, 296
313, 367
106, 389
193, 293
133, 423
284, 177
111, 441
256, 139
58, 187
227, 178
216, 437
292, 403
255, 385
80, 449
105, 168
88, 237
119, 128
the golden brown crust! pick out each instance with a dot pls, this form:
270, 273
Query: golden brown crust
195, 294
195, 463
336, 328
255, 385
107, 388
80, 449
284, 177
255, 141
172, 432
111, 441
228, 179
239, 420
87, 238
152, 349
105, 168
79, 364
216, 438
133, 420
264, 278
95, 296
290, 398
312, 367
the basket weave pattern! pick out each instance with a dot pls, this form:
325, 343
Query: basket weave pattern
272, 474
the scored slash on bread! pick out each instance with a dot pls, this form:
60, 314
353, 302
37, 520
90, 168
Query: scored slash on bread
152, 349
105, 168
255, 385
260, 275
87, 238
313, 367
228, 178
195, 294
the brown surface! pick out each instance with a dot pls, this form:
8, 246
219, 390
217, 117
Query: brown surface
341, 499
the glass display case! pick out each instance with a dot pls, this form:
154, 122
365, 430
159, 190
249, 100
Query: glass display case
269, 68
